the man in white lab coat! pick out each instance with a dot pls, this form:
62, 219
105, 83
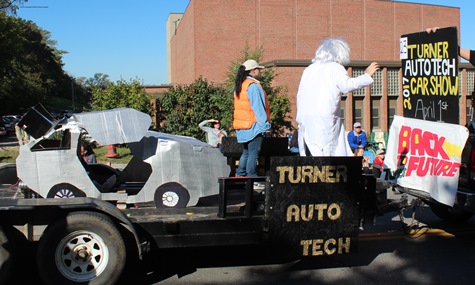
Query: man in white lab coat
321, 132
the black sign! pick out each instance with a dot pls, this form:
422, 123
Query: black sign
313, 204
430, 85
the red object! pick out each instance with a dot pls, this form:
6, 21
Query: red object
111, 151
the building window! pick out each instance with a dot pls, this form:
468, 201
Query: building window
393, 82
357, 72
377, 86
358, 113
392, 110
342, 110
375, 114
470, 79
469, 110
460, 82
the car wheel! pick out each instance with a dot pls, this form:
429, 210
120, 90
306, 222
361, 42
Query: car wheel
450, 214
12, 243
65, 190
82, 248
171, 195
8, 174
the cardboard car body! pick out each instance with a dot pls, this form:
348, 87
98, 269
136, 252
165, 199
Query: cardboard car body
168, 170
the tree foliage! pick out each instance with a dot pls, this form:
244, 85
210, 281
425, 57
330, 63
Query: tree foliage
183, 107
10, 7
121, 94
31, 69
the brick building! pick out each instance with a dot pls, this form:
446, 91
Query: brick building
211, 33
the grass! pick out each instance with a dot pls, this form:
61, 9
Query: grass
9, 155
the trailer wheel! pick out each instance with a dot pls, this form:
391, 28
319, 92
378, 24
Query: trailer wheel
11, 243
450, 214
81, 248
8, 174
171, 195
65, 190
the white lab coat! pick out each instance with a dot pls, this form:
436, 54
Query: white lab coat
318, 108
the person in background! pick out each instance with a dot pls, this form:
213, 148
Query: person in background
88, 154
321, 132
359, 151
215, 133
294, 142
379, 160
357, 137
463, 52
378, 163
251, 116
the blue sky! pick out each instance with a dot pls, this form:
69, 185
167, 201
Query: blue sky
127, 39
123, 39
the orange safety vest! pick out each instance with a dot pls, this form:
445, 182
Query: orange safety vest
244, 116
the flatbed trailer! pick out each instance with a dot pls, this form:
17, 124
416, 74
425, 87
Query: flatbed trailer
311, 207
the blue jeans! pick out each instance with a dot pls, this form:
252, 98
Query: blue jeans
249, 156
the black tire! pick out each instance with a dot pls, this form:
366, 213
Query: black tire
11, 245
65, 190
450, 214
8, 174
81, 248
171, 195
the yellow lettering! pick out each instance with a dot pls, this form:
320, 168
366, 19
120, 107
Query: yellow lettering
312, 174
316, 247
342, 173
320, 208
307, 172
293, 213
318, 175
337, 214
306, 244
326, 246
282, 170
292, 177
306, 213
330, 173
303, 211
344, 245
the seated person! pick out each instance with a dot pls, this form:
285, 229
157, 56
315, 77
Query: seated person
378, 163
359, 151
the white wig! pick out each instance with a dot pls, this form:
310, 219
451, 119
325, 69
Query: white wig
333, 50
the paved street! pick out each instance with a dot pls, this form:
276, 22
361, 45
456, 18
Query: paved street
9, 140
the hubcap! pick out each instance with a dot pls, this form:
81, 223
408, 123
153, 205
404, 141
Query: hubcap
170, 199
64, 193
81, 256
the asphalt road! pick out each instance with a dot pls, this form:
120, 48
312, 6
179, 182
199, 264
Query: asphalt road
9, 140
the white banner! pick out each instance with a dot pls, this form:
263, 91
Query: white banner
425, 155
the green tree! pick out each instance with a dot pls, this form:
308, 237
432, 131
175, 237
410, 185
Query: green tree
10, 7
121, 94
99, 80
183, 107
31, 69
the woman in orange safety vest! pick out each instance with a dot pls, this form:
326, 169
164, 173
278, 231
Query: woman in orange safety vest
251, 116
